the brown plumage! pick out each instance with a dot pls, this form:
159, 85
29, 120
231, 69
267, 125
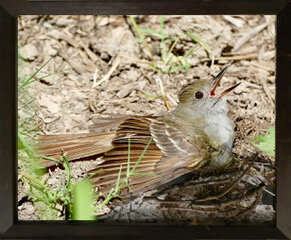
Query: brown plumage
179, 142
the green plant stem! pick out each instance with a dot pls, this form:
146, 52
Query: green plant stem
141, 37
37, 182
26, 146
171, 49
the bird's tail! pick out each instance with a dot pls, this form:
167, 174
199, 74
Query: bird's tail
73, 146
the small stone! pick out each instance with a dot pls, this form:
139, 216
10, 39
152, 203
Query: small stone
50, 102
47, 25
29, 52
125, 90
104, 21
62, 22
142, 84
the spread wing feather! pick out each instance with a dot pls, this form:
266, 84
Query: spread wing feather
168, 156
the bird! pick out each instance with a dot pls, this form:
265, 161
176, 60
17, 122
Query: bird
155, 149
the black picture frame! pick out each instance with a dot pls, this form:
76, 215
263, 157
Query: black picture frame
11, 228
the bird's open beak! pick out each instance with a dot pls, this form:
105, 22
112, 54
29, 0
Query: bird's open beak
217, 81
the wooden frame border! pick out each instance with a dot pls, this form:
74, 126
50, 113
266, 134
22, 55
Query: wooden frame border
10, 227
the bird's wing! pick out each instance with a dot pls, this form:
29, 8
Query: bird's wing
180, 154
147, 153
132, 158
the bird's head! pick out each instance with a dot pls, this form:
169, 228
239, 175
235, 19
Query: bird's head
200, 95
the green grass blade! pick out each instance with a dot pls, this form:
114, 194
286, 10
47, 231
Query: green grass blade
49, 75
106, 200
153, 33
177, 67
36, 72
65, 162
187, 65
194, 48
128, 159
198, 40
22, 143
118, 178
272, 34
127, 184
89, 177
141, 156
150, 96
162, 24
52, 159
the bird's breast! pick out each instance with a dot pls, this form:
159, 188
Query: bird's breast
219, 129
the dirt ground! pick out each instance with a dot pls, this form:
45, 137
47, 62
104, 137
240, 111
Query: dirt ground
93, 46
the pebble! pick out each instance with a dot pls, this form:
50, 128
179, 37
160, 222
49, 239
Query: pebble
47, 25
29, 52
62, 22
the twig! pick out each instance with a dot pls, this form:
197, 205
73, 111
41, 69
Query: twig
235, 21
163, 93
263, 67
238, 57
77, 66
107, 76
254, 204
248, 36
253, 85
190, 210
170, 51
261, 53
267, 92
248, 51
149, 198
234, 183
95, 76
90, 54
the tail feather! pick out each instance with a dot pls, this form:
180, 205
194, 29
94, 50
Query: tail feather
73, 146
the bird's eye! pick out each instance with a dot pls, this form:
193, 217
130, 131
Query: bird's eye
199, 95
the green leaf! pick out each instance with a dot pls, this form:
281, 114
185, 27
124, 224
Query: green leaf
83, 201
266, 143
